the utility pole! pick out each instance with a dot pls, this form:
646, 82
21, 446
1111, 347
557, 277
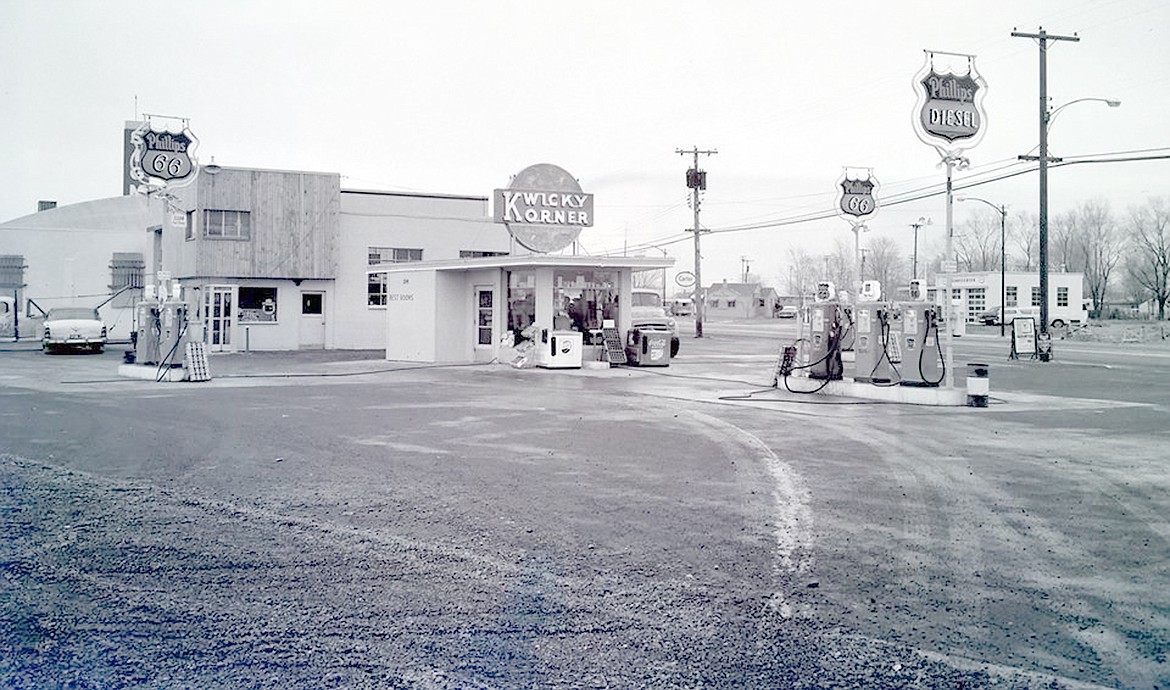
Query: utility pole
916, 226
697, 180
745, 266
1043, 37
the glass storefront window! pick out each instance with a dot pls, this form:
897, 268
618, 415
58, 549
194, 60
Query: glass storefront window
521, 301
584, 298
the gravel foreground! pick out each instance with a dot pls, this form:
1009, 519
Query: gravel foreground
123, 584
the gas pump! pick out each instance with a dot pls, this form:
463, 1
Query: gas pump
872, 325
147, 330
921, 352
161, 335
825, 335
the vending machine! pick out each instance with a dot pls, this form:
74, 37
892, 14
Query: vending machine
559, 349
648, 348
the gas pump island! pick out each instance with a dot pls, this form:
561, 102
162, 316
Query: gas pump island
897, 349
163, 350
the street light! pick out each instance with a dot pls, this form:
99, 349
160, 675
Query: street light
1002, 257
1046, 117
921, 221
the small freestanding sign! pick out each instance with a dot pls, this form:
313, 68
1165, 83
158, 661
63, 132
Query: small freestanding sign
1023, 338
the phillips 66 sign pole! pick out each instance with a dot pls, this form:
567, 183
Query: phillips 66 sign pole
857, 202
949, 117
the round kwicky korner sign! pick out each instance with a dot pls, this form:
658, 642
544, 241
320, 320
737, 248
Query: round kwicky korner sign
543, 208
161, 156
949, 113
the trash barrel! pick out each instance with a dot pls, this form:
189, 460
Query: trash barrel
978, 384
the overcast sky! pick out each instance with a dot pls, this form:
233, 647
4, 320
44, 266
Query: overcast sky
456, 96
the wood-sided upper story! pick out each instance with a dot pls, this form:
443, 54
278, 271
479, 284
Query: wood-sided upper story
250, 223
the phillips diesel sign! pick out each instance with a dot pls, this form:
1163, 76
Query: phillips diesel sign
544, 208
950, 112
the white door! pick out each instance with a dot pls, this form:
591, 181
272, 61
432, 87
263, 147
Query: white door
312, 326
219, 317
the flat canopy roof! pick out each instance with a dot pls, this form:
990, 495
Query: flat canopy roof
635, 263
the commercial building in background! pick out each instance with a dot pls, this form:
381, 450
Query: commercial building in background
985, 291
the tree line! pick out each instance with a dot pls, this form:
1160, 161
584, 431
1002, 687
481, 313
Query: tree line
1124, 257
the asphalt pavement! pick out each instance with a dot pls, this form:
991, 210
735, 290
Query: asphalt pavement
331, 519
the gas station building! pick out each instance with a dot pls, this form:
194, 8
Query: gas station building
286, 260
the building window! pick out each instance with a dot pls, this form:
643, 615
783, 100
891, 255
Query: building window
731, 304
227, 225
1012, 296
475, 254
393, 255
1035, 296
189, 230
127, 273
521, 302
1062, 297
376, 282
256, 305
376, 289
12, 271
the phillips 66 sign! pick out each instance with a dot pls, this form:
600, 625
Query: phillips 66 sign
161, 156
949, 114
856, 197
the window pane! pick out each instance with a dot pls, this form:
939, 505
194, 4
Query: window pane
257, 305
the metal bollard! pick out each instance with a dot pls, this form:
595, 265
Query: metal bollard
978, 384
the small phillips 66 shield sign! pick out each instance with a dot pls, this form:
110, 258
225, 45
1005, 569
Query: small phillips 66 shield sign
161, 157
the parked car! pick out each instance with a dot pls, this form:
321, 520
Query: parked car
73, 327
682, 307
788, 311
648, 312
991, 317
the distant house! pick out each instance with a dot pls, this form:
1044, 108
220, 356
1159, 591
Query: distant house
739, 301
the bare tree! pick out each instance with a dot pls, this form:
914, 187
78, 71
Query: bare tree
884, 261
839, 264
977, 246
1064, 242
803, 271
1100, 245
1024, 236
1149, 259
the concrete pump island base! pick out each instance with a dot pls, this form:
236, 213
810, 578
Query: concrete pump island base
897, 352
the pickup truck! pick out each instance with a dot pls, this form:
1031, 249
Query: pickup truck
648, 313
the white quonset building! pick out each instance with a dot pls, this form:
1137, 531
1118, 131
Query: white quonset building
78, 255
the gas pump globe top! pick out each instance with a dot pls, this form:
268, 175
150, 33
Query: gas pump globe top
917, 291
825, 292
871, 291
